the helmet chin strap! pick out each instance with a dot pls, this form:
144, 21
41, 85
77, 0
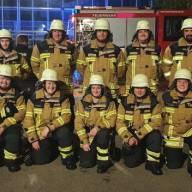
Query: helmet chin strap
96, 97
7, 49
182, 92
142, 97
47, 95
4, 89
188, 40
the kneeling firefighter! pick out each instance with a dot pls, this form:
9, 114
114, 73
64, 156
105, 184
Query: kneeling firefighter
177, 105
138, 124
94, 119
47, 122
12, 111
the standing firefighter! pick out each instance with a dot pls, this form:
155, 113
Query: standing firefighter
143, 57
22, 46
12, 111
102, 57
178, 120
179, 54
95, 117
9, 56
47, 121
56, 52
138, 124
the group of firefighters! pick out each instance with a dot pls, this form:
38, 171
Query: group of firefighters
123, 93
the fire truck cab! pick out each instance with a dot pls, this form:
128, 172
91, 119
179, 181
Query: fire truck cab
165, 24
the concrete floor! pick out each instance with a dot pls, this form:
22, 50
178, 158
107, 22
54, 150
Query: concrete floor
55, 178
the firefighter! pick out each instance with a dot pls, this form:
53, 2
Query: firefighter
12, 111
56, 52
143, 57
177, 105
47, 122
22, 46
179, 54
9, 56
23, 49
102, 57
138, 124
94, 118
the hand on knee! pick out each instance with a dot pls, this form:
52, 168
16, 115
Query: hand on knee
86, 147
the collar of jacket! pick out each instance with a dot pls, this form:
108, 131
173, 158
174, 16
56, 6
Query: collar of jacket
50, 41
40, 94
182, 42
174, 94
136, 43
11, 91
131, 99
95, 45
8, 54
88, 98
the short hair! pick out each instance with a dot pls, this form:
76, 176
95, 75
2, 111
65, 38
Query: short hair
22, 39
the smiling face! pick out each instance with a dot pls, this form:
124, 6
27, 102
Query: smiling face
5, 42
143, 35
57, 35
182, 85
96, 90
139, 91
5, 82
102, 35
50, 87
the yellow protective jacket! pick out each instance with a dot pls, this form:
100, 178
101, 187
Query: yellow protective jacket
177, 114
53, 112
143, 60
19, 64
60, 57
109, 62
88, 115
142, 117
176, 56
12, 108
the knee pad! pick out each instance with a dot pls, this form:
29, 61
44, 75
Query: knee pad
64, 135
133, 156
47, 153
174, 158
155, 137
87, 158
103, 137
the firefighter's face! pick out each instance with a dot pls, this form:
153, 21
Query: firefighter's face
50, 87
57, 35
5, 82
188, 34
143, 35
182, 85
5, 42
139, 91
96, 90
102, 35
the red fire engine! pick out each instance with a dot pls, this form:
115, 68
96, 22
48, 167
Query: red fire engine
165, 24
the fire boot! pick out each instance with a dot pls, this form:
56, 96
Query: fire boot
69, 162
1, 161
102, 167
189, 168
154, 167
12, 165
1, 158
